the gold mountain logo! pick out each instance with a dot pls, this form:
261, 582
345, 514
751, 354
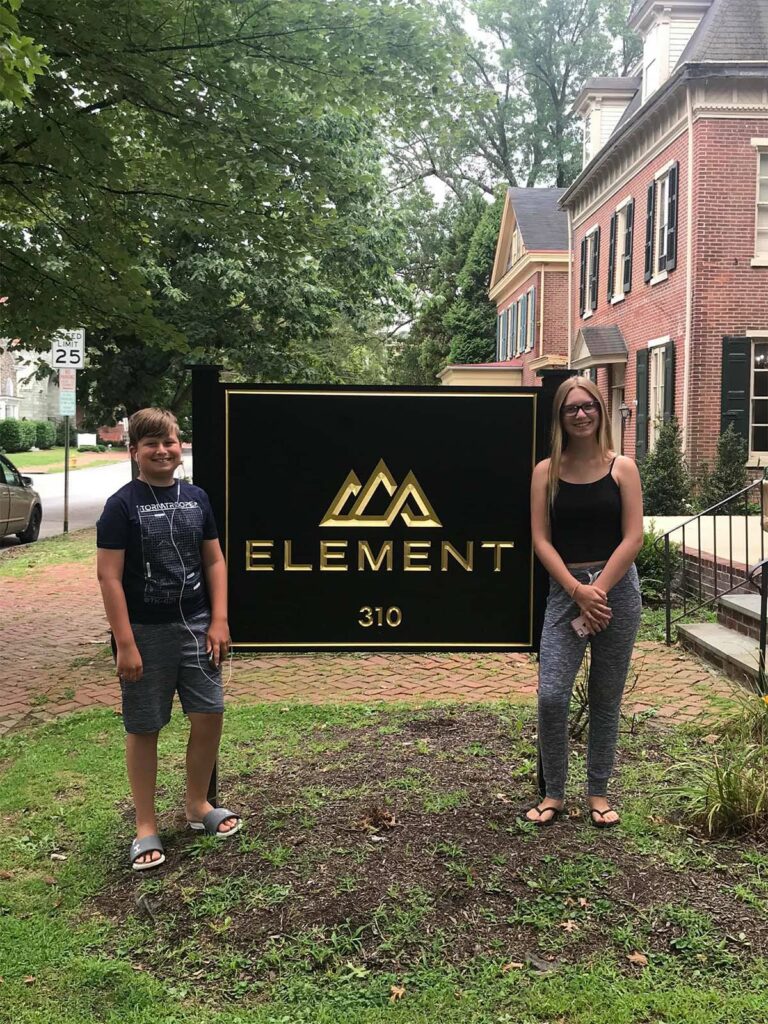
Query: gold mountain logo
403, 500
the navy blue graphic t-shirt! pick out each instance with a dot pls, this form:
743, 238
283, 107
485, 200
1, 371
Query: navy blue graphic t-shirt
162, 536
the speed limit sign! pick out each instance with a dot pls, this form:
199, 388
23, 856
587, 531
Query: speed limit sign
68, 349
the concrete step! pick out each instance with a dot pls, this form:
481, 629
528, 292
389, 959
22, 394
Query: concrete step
740, 612
733, 653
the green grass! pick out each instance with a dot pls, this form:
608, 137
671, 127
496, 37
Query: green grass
52, 460
63, 791
74, 547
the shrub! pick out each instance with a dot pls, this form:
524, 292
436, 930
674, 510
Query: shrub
651, 565
665, 476
729, 474
60, 432
17, 435
46, 434
90, 448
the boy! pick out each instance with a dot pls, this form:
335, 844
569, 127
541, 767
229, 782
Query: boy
163, 580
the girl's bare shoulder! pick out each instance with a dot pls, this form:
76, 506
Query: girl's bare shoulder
541, 468
625, 468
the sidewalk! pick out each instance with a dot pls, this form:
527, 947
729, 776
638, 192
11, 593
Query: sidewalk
56, 660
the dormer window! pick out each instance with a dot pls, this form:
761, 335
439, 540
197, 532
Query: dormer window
665, 26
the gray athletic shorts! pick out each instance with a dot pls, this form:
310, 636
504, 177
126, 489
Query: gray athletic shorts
173, 662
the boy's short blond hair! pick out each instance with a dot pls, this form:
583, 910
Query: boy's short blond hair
151, 422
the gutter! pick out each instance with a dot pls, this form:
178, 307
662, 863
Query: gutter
684, 73
688, 275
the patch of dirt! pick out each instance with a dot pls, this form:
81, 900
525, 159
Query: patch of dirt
408, 841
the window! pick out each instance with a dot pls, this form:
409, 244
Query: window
655, 394
531, 319
522, 336
661, 224
761, 218
620, 252
589, 270
758, 425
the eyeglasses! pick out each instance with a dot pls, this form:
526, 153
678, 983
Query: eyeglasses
572, 411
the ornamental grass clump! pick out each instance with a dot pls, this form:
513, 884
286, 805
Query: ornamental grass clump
725, 789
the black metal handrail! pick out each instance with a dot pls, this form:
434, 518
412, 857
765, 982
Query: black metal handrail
703, 601
762, 568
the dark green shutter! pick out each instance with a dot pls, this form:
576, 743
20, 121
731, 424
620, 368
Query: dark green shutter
641, 394
669, 381
672, 218
594, 270
628, 238
649, 232
583, 278
503, 335
612, 254
499, 336
734, 401
513, 330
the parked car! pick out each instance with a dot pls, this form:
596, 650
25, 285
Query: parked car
21, 510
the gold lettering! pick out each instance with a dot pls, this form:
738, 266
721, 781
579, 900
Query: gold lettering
364, 554
253, 554
332, 551
498, 546
288, 564
446, 548
416, 551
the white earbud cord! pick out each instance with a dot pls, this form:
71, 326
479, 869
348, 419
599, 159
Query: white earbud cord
184, 583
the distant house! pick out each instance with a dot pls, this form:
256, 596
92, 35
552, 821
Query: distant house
668, 229
9, 399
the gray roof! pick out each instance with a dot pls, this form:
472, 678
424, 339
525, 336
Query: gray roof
604, 341
597, 84
731, 30
634, 104
543, 225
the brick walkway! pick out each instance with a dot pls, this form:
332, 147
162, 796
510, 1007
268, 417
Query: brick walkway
55, 660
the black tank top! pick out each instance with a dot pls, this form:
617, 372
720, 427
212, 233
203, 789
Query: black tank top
586, 519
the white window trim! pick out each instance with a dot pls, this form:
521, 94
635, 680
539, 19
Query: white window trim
656, 342
587, 312
663, 171
753, 453
759, 259
530, 312
618, 261
658, 278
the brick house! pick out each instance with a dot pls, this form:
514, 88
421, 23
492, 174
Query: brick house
668, 222
529, 282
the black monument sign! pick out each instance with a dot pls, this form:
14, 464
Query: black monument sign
374, 518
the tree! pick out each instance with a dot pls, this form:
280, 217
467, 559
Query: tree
233, 119
729, 475
21, 59
665, 477
508, 117
446, 288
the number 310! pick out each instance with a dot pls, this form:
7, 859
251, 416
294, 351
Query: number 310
380, 616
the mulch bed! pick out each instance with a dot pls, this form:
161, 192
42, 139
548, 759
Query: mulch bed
421, 821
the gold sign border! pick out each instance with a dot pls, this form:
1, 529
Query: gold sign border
449, 393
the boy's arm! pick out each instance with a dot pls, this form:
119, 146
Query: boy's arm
215, 570
109, 569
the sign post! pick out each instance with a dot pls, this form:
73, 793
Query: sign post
67, 355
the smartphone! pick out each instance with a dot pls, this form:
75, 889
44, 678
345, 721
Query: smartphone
580, 627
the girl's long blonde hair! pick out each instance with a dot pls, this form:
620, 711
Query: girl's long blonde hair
560, 438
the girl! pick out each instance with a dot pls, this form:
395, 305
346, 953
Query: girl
587, 527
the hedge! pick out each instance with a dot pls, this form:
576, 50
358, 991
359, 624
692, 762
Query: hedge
18, 435
46, 434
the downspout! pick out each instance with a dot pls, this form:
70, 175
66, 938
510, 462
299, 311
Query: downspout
570, 284
541, 315
688, 273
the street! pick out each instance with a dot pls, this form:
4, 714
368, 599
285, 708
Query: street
88, 490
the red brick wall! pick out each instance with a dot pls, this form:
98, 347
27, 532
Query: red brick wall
730, 296
648, 311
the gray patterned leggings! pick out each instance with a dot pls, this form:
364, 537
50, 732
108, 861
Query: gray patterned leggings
560, 657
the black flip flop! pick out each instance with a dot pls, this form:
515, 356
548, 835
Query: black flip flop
603, 823
556, 812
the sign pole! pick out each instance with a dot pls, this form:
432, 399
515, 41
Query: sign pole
66, 474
